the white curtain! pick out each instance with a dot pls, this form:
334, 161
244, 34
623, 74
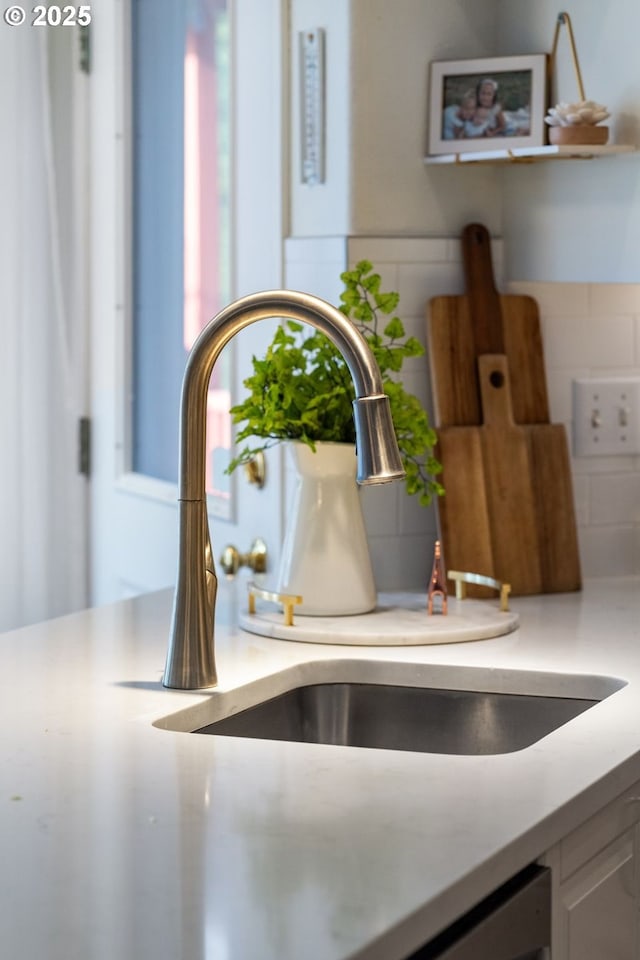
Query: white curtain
42, 496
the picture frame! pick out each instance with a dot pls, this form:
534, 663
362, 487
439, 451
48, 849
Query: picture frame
463, 118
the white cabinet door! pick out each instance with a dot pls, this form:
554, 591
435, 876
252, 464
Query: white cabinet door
598, 910
595, 884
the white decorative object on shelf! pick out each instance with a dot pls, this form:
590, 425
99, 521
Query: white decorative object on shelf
576, 123
576, 114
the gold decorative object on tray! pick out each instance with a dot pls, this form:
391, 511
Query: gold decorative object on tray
288, 601
461, 580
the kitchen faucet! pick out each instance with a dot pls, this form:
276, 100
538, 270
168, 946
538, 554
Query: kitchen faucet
191, 655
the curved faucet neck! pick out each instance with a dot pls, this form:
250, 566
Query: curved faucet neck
286, 305
190, 658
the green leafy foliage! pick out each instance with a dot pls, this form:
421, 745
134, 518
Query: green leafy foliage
302, 389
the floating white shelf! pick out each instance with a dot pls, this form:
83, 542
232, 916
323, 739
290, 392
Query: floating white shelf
531, 154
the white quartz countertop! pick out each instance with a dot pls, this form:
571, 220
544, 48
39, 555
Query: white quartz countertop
120, 839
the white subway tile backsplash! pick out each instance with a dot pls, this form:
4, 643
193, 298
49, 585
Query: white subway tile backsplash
614, 298
454, 251
608, 466
560, 394
404, 565
609, 551
589, 341
454, 255
320, 279
314, 265
380, 505
630, 372
556, 299
415, 519
615, 499
417, 284
416, 327
581, 488
415, 376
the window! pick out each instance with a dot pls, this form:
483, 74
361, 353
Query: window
181, 222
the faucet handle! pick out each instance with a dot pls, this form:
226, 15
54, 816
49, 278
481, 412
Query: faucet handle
256, 558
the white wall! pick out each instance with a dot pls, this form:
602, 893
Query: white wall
563, 221
377, 58
392, 46
578, 220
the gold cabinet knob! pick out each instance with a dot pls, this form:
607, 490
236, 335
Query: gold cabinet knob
256, 558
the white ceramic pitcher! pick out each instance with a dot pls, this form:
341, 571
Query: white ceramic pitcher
325, 556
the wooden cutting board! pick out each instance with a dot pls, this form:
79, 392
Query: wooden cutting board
482, 321
557, 534
508, 507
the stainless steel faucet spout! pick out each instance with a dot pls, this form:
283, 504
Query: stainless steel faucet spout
191, 658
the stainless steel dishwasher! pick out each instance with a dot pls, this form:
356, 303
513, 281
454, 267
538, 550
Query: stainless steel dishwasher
512, 923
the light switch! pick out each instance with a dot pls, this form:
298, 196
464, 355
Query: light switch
606, 417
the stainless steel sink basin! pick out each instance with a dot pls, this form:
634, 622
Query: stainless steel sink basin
430, 708
389, 717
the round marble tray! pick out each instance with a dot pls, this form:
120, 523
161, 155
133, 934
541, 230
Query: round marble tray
400, 619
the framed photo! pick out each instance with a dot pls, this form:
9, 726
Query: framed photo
491, 104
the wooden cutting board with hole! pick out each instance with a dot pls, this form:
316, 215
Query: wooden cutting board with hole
507, 511
482, 321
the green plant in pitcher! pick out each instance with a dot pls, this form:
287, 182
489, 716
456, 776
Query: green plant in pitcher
302, 390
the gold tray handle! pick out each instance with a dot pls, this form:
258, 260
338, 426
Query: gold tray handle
288, 601
462, 579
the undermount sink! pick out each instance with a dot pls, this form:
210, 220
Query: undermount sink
484, 712
402, 718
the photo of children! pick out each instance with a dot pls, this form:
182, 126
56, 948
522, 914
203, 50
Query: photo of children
456, 115
481, 107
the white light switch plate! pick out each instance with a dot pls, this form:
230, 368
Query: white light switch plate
606, 417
